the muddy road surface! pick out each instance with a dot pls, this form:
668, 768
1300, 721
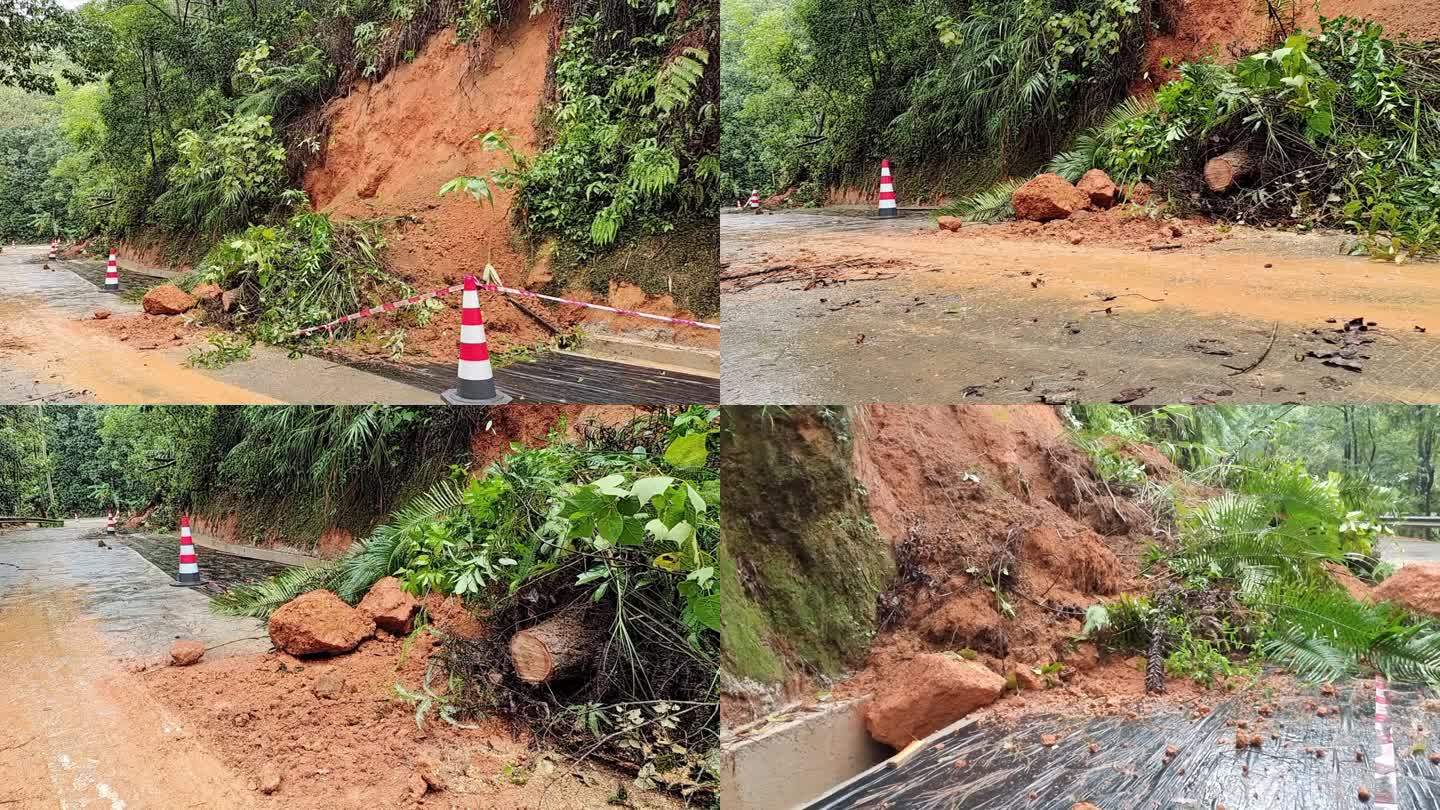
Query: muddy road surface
874, 310
52, 349
76, 727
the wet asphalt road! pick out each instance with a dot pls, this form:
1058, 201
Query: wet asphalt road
129, 600
1406, 550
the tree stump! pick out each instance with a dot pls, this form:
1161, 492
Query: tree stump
554, 648
1224, 171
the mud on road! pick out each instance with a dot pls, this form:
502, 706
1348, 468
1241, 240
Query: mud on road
897, 311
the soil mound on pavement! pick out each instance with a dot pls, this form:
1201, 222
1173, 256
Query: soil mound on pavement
356, 742
1415, 587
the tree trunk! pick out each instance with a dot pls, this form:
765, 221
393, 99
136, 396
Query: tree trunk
1155, 659
555, 647
1230, 168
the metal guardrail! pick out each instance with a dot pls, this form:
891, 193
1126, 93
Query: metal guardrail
6, 520
1413, 521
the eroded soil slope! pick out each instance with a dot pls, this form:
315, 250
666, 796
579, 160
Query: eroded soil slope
392, 144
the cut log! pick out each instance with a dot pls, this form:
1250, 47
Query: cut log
554, 648
1226, 170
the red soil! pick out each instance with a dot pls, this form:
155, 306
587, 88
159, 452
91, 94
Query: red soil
360, 746
954, 490
1123, 226
394, 143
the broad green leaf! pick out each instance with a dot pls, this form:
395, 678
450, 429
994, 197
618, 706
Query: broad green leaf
647, 488
687, 452
610, 485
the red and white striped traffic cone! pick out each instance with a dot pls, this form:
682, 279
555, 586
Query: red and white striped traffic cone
189, 574
110, 523
112, 274
754, 199
476, 385
887, 191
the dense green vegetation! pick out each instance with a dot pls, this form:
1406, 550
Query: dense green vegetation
956, 94
626, 522
291, 472
1344, 122
190, 127
1250, 572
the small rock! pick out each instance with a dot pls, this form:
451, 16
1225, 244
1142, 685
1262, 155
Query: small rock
1435, 759
208, 291
417, 787
101, 314
1049, 740
1362, 794
950, 223
269, 779
185, 653
1076, 238
329, 686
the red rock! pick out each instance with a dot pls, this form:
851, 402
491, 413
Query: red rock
331, 685
318, 623
185, 653
167, 299
950, 223
1084, 657
1138, 193
1098, 186
208, 291
927, 693
389, 606
102, 314
1048, 197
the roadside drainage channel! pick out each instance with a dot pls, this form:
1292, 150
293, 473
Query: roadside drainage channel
1121, 761
795, 755
219, 570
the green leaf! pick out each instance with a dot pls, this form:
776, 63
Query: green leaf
610, 485
695, 499
687, 452
647, 488
611, 526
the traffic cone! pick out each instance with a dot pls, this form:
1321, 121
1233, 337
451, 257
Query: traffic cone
112, 274
476, 385
189, 574
754, 199
887, 191
53, 245
110, 523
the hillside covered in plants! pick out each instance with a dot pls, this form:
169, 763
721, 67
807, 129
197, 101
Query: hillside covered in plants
1327, 121
1073, 556
191, 135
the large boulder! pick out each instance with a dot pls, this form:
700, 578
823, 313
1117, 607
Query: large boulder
389, 606
1415, 587
1048, 197
1098, 186
318, 623
926, 694
167, 299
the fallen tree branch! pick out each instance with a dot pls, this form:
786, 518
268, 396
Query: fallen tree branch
1238, 371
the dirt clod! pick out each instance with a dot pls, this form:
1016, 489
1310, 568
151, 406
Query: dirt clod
269, 779
184, 653
330, 686
950, 223
101, 314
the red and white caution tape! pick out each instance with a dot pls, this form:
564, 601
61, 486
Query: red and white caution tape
1386, 791
415, 299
